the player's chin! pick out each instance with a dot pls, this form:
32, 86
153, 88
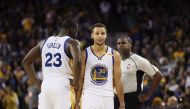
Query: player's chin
100, 43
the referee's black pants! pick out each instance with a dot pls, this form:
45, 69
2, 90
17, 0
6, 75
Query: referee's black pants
131, 101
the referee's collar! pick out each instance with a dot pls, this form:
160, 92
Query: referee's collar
127, 57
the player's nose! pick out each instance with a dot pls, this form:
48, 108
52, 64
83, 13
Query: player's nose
100, 36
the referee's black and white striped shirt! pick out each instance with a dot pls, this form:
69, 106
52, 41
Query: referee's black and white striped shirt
132, 72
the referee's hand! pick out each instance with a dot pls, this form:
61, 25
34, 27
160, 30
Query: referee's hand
143, 97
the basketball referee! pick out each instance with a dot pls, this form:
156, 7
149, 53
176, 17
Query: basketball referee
133, 68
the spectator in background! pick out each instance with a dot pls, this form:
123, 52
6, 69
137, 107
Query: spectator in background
5, 47
1, 98
27, 24
187, 84
158, 103
172, 103
10, 99
105, 8
32, 96
1, 72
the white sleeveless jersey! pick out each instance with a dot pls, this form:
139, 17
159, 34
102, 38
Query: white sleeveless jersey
54, 60
98, 77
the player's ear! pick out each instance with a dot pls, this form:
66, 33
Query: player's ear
106, 35
92, 36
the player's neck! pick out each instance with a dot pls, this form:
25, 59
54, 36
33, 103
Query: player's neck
99, 47
64, 33
61, 34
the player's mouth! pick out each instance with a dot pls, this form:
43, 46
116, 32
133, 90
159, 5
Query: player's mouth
101, 40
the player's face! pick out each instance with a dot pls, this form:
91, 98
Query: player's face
123, 45
99, 35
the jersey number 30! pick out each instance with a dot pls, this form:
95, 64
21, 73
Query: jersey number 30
50, 57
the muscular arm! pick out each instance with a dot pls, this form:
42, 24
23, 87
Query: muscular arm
155, 83
75, 51
79, 91
27, 63
117, 78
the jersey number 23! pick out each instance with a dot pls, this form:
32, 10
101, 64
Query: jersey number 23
53, 60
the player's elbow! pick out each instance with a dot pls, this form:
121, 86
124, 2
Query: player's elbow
118, 82
78, 62
24, 62
119, 87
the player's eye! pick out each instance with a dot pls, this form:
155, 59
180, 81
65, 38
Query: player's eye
103, 33
97, 33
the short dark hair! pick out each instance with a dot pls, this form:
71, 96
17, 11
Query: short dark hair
98, 25
68, 24
124, 35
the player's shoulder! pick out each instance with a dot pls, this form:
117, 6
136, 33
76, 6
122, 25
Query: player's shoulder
112, 49
73, 41
85, 49
41, 43
115, 53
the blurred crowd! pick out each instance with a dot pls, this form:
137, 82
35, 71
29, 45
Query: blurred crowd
160, 31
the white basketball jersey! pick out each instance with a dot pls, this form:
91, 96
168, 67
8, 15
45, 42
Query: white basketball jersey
54, 60
98, 77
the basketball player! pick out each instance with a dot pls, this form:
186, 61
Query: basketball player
56, 53
133, 68
100, 65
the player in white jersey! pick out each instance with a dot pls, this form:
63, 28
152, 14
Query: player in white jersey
56, 53
100, 67
133, 68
